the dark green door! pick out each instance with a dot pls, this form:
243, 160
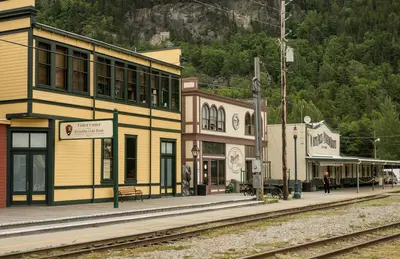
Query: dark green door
29, 177
168, 170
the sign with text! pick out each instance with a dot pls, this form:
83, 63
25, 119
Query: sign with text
86, 129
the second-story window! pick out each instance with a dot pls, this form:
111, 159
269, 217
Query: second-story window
119, 81
104, 77
175, 93
165, 90
205, 111
143, 85
155, 83
80, 72
132, 82
61, 67
221, 119
44, 64
213, 118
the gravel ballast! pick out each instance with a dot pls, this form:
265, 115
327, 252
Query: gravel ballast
298, 229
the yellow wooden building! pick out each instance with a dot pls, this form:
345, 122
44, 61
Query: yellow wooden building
48, 75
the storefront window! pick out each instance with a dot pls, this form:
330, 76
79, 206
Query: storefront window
20, 140
131, 172
213, 148
107, 159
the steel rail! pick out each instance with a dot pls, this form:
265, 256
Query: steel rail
285, 250
155, 237
361, 245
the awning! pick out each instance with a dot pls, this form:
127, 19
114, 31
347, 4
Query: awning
326, 160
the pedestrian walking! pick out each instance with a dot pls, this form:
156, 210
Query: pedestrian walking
326, 183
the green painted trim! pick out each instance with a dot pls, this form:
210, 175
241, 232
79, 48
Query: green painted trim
13, 101
12, 14
51, 162
8, 168
30, 68
115, 149
15, 31
135, 137
167, 130
174, 167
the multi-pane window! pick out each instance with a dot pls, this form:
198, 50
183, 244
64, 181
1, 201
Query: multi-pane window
165, 90
130, 164
221, 119
213, 118
61, 67
44, 64
143, 85
206, 116
119, 87
132, 82
175, 93
80, 72
213, 148
154, 83
104, 76
107, 159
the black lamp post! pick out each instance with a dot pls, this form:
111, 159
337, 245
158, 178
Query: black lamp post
297, 194
195, 153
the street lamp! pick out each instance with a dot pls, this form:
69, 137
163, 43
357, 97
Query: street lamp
297, 194
376, 140
195, 153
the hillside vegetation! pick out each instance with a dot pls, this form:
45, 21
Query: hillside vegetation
347, 54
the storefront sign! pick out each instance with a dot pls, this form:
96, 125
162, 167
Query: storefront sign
330, 164
86, 129
324, 138
235, 160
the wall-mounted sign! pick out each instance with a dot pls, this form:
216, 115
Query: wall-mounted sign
330, 164
235, 160
235, 121
86, 129
324, 138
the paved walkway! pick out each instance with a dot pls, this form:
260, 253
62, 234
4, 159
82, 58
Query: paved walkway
25, 213
20, 243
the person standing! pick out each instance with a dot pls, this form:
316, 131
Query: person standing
326, 183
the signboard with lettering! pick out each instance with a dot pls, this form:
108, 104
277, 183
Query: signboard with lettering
323, 141
94, 129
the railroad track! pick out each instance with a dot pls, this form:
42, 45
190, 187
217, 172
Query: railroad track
172, 234
335, 252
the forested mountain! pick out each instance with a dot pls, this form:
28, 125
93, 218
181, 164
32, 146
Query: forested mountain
347, 54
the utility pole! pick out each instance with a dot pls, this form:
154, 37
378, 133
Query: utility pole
258, 181
283, 104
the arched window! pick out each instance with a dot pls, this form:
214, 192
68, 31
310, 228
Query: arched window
247, 123
213, 118
206, 116
221, 119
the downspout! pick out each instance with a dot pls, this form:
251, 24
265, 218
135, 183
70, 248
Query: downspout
93, 140
151, 127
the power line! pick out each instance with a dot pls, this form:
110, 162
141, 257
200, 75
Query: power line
233, 12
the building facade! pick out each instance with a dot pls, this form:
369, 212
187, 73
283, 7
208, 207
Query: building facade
223, 129
318, 151
47, 76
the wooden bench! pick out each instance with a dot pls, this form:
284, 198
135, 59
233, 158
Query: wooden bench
129, 191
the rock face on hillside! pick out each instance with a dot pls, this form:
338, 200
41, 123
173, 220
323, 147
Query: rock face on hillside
196, 21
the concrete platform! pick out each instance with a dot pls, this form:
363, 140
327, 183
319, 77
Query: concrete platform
34, 241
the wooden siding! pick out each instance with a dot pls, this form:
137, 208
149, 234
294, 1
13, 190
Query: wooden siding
13, 4
15, 24
13, 66
56, 110
19, 198
32, 123
125, 119
166, 114
63, 39
121, 107
72, 194
3, 165
12, 108
64, 98
167, 55
38, 197
167, 124
73, 161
